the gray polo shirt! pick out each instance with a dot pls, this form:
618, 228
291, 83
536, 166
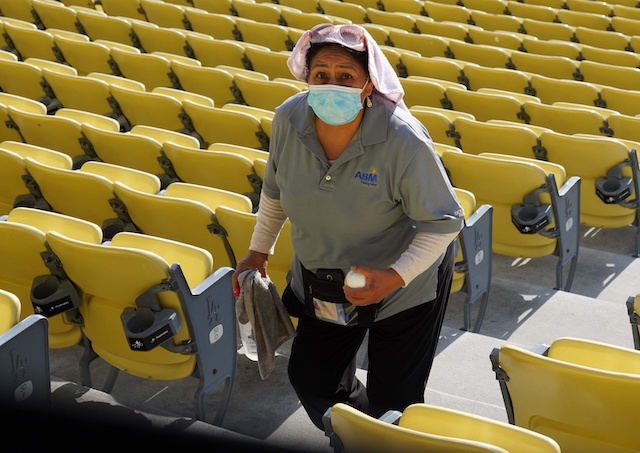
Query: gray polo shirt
366, 207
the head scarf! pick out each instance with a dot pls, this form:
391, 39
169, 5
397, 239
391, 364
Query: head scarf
384, 78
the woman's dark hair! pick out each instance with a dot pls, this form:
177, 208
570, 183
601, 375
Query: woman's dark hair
361, 57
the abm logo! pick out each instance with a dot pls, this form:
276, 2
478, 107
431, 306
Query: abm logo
367, 178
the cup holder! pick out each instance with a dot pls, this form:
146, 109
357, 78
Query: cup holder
613, 190
51, 295
146, 329
529, 218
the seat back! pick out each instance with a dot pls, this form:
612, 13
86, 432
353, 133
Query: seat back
476, 137
76, 193
17, 186
580, 393
191, 209
353, 431
449, 422
155, 308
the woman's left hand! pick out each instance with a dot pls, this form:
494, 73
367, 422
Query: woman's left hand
380, 283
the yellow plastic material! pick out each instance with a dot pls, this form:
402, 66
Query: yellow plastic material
584, 395
359, 432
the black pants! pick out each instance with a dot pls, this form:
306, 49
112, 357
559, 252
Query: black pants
401, 350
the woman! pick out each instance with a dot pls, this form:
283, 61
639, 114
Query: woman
364, 190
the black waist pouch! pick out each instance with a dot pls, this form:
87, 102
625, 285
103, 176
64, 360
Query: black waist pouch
325, 299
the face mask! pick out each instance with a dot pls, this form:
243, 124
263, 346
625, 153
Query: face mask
335, 104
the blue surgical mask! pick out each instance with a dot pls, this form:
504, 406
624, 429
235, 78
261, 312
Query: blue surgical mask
335, 104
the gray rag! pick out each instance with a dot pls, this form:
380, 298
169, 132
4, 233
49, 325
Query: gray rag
259, 304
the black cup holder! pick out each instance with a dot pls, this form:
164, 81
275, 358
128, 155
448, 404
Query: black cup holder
614, 190
146, 329
51, 295
529, 218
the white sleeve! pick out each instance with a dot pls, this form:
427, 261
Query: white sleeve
423, 251
270, 218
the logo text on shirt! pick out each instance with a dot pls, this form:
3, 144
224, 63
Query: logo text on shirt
367, 178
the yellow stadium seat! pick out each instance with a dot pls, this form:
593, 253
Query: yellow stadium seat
424, 427
351, 11
443, 12
218, 169
398, 20
100, 26
191, 208
611, 56
214, 6
557, 67
495, 38
497, 22
609, 178
567, 120
17, 9
23, 250
126, 300
87, 194
273, 64
445, 29
124, 8
264, 94
151, 70
487, 106
152, 109
425, 45
624, 101
548, 30
584, 19
499, 78
130, 150
150, 38
163, 14
532, 11
445, 68
626, 78
523, 193
625, 127
50, 131
18, 188
275, 37
554, 47
605, 39
441, 126
55, 15
422, 91
476, 137
214, 83
216, 124
551, 90
578, 392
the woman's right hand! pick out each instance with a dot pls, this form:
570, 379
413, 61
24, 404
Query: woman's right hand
253, 260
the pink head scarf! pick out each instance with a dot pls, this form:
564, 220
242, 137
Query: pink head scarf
355, 37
